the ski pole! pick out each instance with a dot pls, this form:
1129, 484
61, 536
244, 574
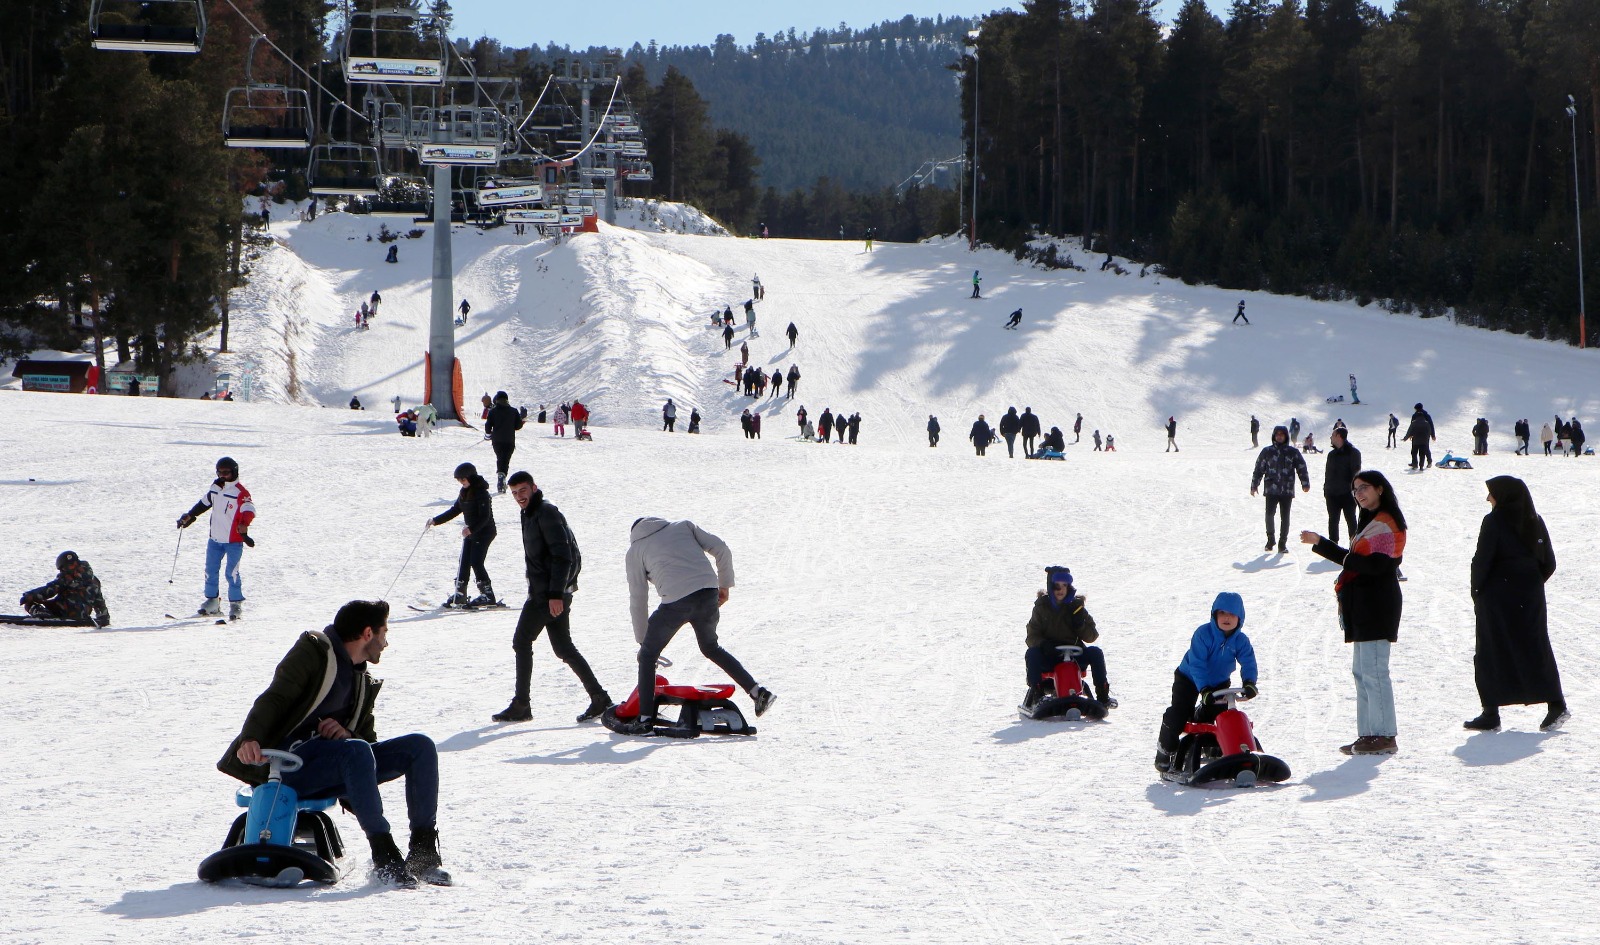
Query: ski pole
175, 551
403, 565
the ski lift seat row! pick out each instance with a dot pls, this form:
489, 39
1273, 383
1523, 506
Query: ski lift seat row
267, 116
344, 168
371, 42
124, 25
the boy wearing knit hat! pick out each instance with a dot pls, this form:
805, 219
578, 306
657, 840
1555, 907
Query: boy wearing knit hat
1059, 619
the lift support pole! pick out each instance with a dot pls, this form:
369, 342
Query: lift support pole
441, 326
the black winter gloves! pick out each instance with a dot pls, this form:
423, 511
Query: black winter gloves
1249, 688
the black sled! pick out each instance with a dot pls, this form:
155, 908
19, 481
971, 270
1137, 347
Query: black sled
1219, 749
28, 620
280, 840
702, 710
1063, 698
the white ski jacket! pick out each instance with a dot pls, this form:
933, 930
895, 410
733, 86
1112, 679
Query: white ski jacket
672, 556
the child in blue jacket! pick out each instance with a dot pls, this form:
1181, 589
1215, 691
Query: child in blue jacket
1217, 646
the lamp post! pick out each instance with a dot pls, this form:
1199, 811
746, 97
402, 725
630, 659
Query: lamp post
977, 73
1577, 215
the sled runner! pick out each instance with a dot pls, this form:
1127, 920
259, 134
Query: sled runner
701, 710
28, 620
1220, 749
281, 840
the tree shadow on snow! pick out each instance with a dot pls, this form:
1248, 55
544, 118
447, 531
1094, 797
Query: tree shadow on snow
1500, 748
1354, 776
1263, 563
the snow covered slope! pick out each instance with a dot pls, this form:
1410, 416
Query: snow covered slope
892, 795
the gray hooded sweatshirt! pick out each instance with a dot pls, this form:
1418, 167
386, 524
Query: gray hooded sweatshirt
672, 556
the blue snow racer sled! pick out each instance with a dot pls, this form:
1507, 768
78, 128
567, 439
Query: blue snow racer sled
281, 839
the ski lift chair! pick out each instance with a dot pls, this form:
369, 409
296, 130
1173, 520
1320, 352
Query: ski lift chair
344, 168
175, 26
267, 116
383, 45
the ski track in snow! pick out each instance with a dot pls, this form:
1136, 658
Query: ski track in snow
891, 795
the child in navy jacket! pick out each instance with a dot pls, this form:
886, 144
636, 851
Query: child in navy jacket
1216, 647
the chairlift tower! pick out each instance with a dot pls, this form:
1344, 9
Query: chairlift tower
588, 77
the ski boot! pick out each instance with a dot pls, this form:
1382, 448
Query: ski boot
459, 598
485, 596
211, 608
235, 610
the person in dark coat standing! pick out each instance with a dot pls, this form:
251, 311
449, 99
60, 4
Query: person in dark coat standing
477, 511
981, 435
1077, 428
825, 424
1514, 664
1010, 426
1255, 430
1030, 430
1338, 478
794, 378
1096, 441
1421, 434
553, 561
1480, 437
933, 431
793, 333
854, 425
1172, 435
501, 428
1368, 591
1524, 435
1575, 429
1394, 427
727, 336
1278, 464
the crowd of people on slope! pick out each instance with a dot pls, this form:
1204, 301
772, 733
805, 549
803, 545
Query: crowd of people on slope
1035, 443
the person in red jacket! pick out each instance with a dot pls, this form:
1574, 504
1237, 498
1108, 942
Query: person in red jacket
580, 416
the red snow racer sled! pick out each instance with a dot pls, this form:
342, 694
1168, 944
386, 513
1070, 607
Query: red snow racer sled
1063, 698
701, 710
1220, 749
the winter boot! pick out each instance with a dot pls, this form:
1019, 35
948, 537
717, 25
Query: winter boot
1556, 715
1163, 760
235, 609
387, 865
423, 854
485, 596
500, 486
1487, 721
597, 707
642, 725
1030, 699
517, 711
459, 598
763, 698
1105, 698
211, 608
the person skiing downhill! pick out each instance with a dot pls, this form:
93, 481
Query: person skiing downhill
232, 512
977, 281
73, 595
1278, 464
1016, 320
553, 561
477, 533
500, 429
672, 557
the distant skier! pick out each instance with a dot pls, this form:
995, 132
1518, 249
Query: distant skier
1353, 398
1255, 431
669, 415
793, 333
475, 506
1172, 435
1030, 430
977, 280
933, 430
500, 429
981, 435
232, 512
868, 237
1016, 320
1277, 466
1240, 314
73, 595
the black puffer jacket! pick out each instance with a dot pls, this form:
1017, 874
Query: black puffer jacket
476, 508
1421, 427
1277, 466
1030, 423
1343, 464
504, 422
1010, 424
550, 551
1064, 624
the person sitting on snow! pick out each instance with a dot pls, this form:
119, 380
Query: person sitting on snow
1055, 441
73, 595
1059, 619
1216, 647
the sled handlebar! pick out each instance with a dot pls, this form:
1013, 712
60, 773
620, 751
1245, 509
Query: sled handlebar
1069, 651
282, 762
1226, 696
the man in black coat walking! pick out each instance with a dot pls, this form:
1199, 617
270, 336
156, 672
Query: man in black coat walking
1030, 430
553, 562
1338, 478
981, 435
1010, 426
933, 431
1255, 430
501, 428
1421, 434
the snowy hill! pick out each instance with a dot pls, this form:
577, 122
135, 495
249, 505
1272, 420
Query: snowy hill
892, 795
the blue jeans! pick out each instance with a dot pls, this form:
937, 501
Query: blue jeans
352, 769
216, 551
1042, 659
1374, 691
699, 610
